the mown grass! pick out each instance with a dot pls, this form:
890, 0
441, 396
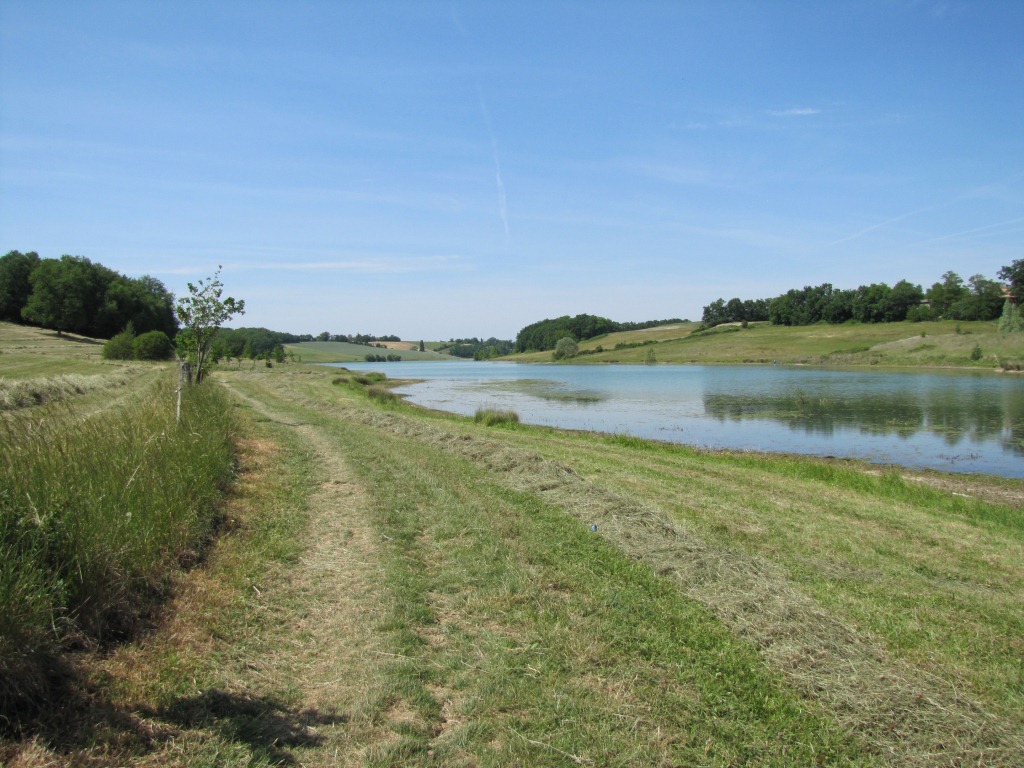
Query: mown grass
27, 352
521, 637
95, 512
935, 572
891, 606
538, 597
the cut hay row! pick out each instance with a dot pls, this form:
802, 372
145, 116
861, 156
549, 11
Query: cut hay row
903, 711
25, 393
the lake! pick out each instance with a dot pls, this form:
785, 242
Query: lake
955, 421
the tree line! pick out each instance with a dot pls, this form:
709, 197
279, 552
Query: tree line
951, 298
476, 349
545, 334
74, 295
356, 338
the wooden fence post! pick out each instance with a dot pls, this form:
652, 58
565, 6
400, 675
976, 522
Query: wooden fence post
184, 376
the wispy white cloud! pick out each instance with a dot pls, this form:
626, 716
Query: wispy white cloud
374, 265
362, 265
794, 112
674, 173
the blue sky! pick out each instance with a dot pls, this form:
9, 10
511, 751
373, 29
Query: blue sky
446, 169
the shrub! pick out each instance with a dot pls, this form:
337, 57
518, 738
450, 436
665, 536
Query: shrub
566, 349
490, 417
121, 347
381, 394
1011, 320
152, 346
976, 353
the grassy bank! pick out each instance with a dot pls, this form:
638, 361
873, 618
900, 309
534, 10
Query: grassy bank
401, 587
96, 510
932, 344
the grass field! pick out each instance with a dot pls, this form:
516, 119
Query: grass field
398, 587
935, 344
343, 352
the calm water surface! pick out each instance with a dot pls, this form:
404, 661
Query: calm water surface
959, 422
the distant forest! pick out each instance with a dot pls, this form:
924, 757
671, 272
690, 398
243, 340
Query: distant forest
544, 335
74, 295
949, 299
477, 349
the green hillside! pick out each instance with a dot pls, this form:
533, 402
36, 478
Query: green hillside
934, 344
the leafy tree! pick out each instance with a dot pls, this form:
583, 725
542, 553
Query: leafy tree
982, 301
144, 302
1014, 275
15, 269
201, 313
942, 297
566, 348
902, 298
871, 303
715, 313
66, 294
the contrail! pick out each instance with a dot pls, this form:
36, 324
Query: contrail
880, 225
987, 228
502, 200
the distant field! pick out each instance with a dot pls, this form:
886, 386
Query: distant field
936, 344
343, 352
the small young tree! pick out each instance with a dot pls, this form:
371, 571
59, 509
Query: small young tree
201, 313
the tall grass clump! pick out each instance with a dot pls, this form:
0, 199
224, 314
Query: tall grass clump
381, 394
491, 417
96, 512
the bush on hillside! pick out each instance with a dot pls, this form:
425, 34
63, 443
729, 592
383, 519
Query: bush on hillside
566, 349
152, 346
121, 346
1011, 320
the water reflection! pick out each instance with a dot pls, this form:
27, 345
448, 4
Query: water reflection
963, 422
945, 413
